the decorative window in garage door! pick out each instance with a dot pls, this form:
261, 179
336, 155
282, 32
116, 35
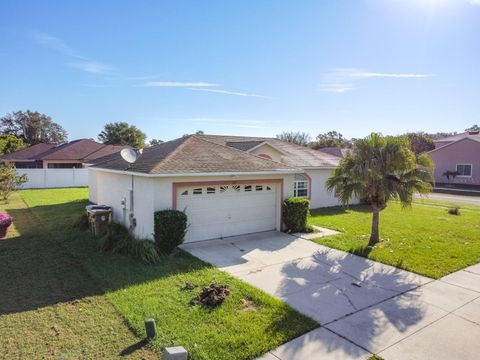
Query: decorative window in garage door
208, 190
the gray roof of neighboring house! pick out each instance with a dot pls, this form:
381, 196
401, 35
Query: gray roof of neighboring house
191, 154
293, 155
82, 149
474, 135
339, 152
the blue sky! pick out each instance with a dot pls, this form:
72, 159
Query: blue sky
244, 67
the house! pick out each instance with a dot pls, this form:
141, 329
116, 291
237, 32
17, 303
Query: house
74, 154
228, 185
338, 152
459, 155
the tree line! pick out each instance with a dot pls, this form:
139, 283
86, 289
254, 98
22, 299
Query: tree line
20, 129
420, 142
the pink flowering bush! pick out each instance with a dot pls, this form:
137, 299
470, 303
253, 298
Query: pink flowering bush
5, 220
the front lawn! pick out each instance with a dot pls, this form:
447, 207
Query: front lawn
424, 238
246, 325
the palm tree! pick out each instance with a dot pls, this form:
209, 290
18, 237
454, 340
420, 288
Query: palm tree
380, 169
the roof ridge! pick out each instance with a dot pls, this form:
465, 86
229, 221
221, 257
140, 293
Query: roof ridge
173, 152
243, 152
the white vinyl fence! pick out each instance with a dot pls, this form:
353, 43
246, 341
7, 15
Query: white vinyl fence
54, 178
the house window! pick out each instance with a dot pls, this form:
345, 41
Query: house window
300, 186
185, 192
197, 191
64, 166
223, 188
210, 190
236, 188
247, 188
258, 187
464, 170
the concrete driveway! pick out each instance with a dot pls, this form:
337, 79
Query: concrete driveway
364, 307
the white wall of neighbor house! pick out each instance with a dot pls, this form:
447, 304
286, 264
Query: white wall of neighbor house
320, 196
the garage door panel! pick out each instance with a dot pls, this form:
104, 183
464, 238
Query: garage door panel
232, 211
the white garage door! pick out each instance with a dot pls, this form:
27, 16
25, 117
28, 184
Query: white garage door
226, 210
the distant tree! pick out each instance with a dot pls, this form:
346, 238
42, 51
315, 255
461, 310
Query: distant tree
154, 142
380, 169
121, 133
420, 143
32, 127
330, 139
295, 137
199, 132
10, 143
473, 128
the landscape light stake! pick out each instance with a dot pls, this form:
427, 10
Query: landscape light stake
150, 328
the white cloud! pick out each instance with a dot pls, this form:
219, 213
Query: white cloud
178, 84
92, 67
83, 63
226, 92
390, 75
342, 80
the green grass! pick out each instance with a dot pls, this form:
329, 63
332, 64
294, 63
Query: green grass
50, 308
246, 325
423, 238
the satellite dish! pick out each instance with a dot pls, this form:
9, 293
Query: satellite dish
130, 155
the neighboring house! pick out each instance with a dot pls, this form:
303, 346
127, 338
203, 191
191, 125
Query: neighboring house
459, 153
339, 152
227, 185
74, 154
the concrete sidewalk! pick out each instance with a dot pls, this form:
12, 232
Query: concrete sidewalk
364, 307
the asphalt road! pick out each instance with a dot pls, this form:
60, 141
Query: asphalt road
454, 198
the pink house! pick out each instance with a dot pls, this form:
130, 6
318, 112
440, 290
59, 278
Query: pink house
457, 155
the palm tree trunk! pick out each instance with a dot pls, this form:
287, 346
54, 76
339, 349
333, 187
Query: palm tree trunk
375, 236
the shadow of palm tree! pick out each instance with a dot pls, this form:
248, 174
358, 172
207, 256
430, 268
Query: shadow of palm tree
332, 285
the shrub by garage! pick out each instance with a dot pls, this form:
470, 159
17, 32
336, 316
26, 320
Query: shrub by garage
295, 214
170, 228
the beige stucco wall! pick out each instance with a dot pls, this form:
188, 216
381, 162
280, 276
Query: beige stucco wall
320, 197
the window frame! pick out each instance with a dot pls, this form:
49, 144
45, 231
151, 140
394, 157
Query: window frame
305, 187
464, 176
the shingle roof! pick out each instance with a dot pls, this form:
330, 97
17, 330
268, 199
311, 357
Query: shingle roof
294, 155
339, 152
31, 153
466, 135
243, 145
191, 154
83, 149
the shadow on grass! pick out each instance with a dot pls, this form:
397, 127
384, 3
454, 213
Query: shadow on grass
134, 347
51, 263
339, 210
